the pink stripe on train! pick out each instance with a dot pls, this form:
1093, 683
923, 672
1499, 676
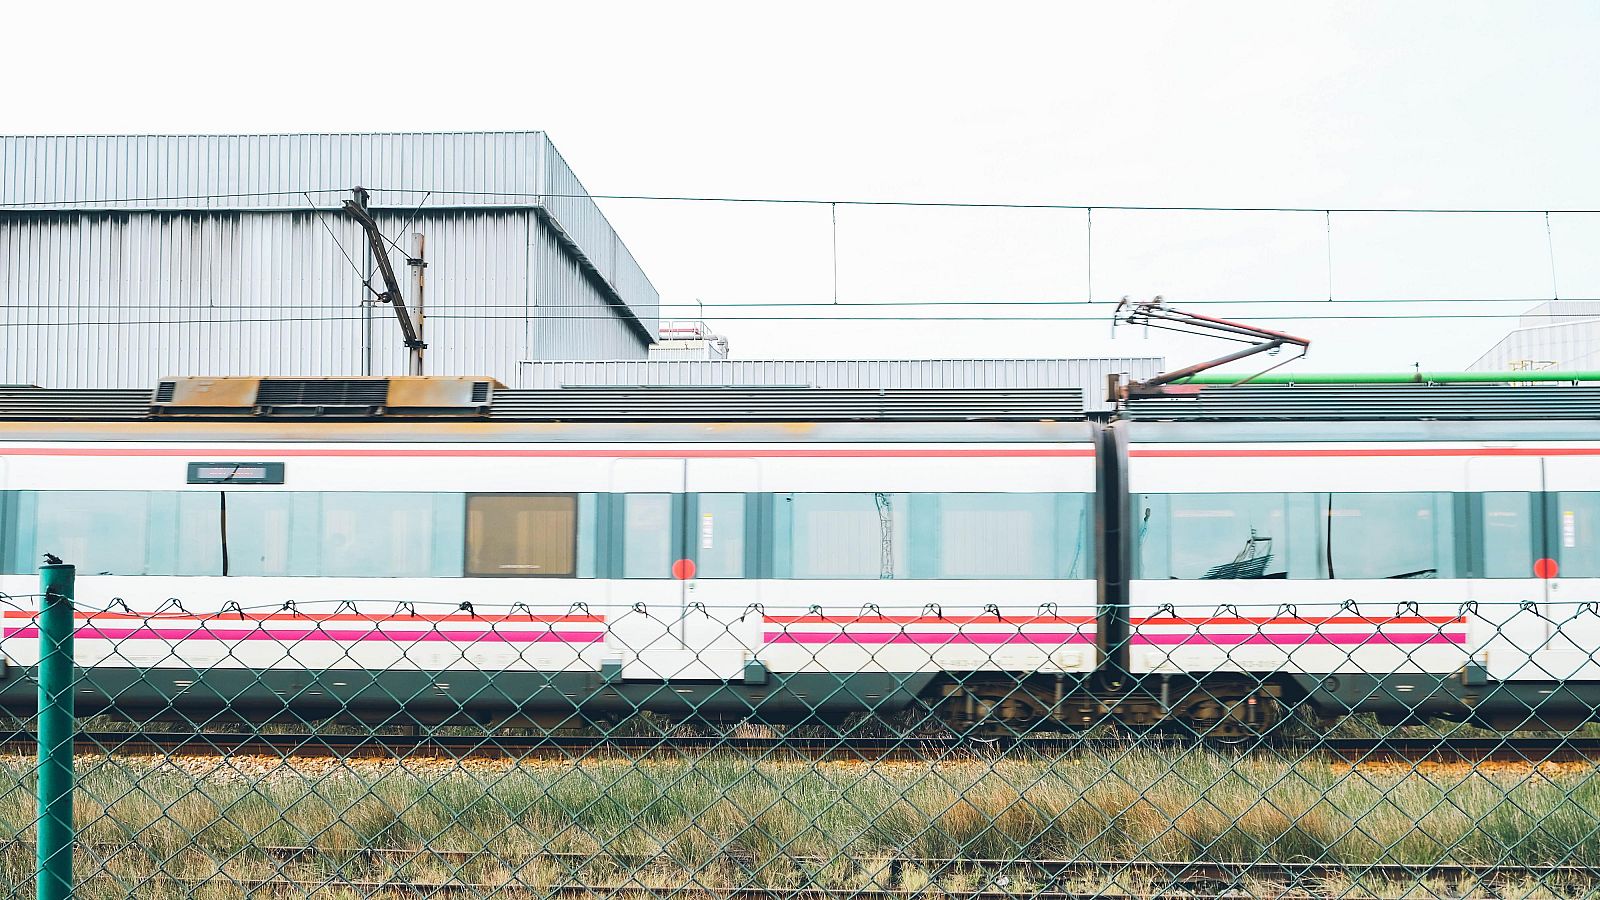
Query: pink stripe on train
1298, 639
283, 635
913, 637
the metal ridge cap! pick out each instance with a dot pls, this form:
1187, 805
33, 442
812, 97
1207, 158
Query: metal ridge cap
254, 134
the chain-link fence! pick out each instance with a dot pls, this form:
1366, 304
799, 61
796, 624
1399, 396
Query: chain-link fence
437, 750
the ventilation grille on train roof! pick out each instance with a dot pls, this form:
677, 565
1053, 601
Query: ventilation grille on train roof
788, 404
234, 397
32, 404
274, 392
1382, 402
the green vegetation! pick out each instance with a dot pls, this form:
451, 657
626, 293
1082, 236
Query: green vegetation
213, 828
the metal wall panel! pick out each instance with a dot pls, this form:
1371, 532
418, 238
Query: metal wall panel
578, 218
266, 171
1086, 374
119, 299
174, 197
1571, 345
1560, 335
568, 315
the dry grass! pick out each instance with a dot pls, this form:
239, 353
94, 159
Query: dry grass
722, 821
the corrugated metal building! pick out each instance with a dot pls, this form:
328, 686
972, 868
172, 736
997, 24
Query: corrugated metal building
1087, 374
125, 258
1558, 335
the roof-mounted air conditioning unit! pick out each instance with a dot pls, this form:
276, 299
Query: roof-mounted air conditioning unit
371, 397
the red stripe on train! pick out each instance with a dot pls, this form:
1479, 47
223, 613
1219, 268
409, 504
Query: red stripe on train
491, 452
1271, 453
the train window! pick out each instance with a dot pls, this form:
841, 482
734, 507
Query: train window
719, 535
101, 532
264, 529
589, 535
859, 535
394, 535
1576, 534
1222, 536
1152, 552
1269, 535
1507, 523
1399, 535
989, 535
522, 534
10, 564
647, 534
185, 533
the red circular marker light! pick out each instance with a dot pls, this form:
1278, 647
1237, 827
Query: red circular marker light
1545, 568
683, 569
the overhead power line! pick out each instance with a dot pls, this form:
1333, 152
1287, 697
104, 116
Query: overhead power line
837, 201
867, 304
603, 315
966, 204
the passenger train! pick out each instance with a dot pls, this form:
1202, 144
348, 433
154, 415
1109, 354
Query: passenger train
444, 550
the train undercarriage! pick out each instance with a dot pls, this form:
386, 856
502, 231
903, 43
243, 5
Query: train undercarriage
1218, 707
1222, 708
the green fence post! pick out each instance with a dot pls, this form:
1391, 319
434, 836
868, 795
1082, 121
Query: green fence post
53, 873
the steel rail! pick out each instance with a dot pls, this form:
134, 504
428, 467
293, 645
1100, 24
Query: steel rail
1195, 878
1057, 869
431, 889
546, 746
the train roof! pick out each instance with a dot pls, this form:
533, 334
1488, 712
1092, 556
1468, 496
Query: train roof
349, 400
1396, 403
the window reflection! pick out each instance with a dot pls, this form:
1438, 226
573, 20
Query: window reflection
1401, 535
1308, 535
997, 536
719, 536
858, 535
647, 535
101, 532
1507, 523
1577, 533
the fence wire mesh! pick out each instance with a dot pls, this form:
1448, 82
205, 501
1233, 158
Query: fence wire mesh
438, 750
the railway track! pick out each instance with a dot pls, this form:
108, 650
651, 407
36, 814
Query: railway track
375, 871
501, 746
1052, 871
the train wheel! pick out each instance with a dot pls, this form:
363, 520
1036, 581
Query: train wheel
1231, 713
995, 710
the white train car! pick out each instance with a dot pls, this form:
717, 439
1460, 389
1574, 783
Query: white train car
1413, 552
445, 549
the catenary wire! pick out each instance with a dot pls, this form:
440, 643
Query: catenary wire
960, 204
834, 203
802, 304
802, 318
391, 241
823, 201
365, 281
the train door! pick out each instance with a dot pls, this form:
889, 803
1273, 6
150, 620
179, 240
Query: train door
645, 524
722, 613
1569, 569
1508, 631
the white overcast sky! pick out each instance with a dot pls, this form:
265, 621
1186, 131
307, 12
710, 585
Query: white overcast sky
1447, 104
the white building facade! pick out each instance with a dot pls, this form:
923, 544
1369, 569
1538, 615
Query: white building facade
1560, 335
127, 258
